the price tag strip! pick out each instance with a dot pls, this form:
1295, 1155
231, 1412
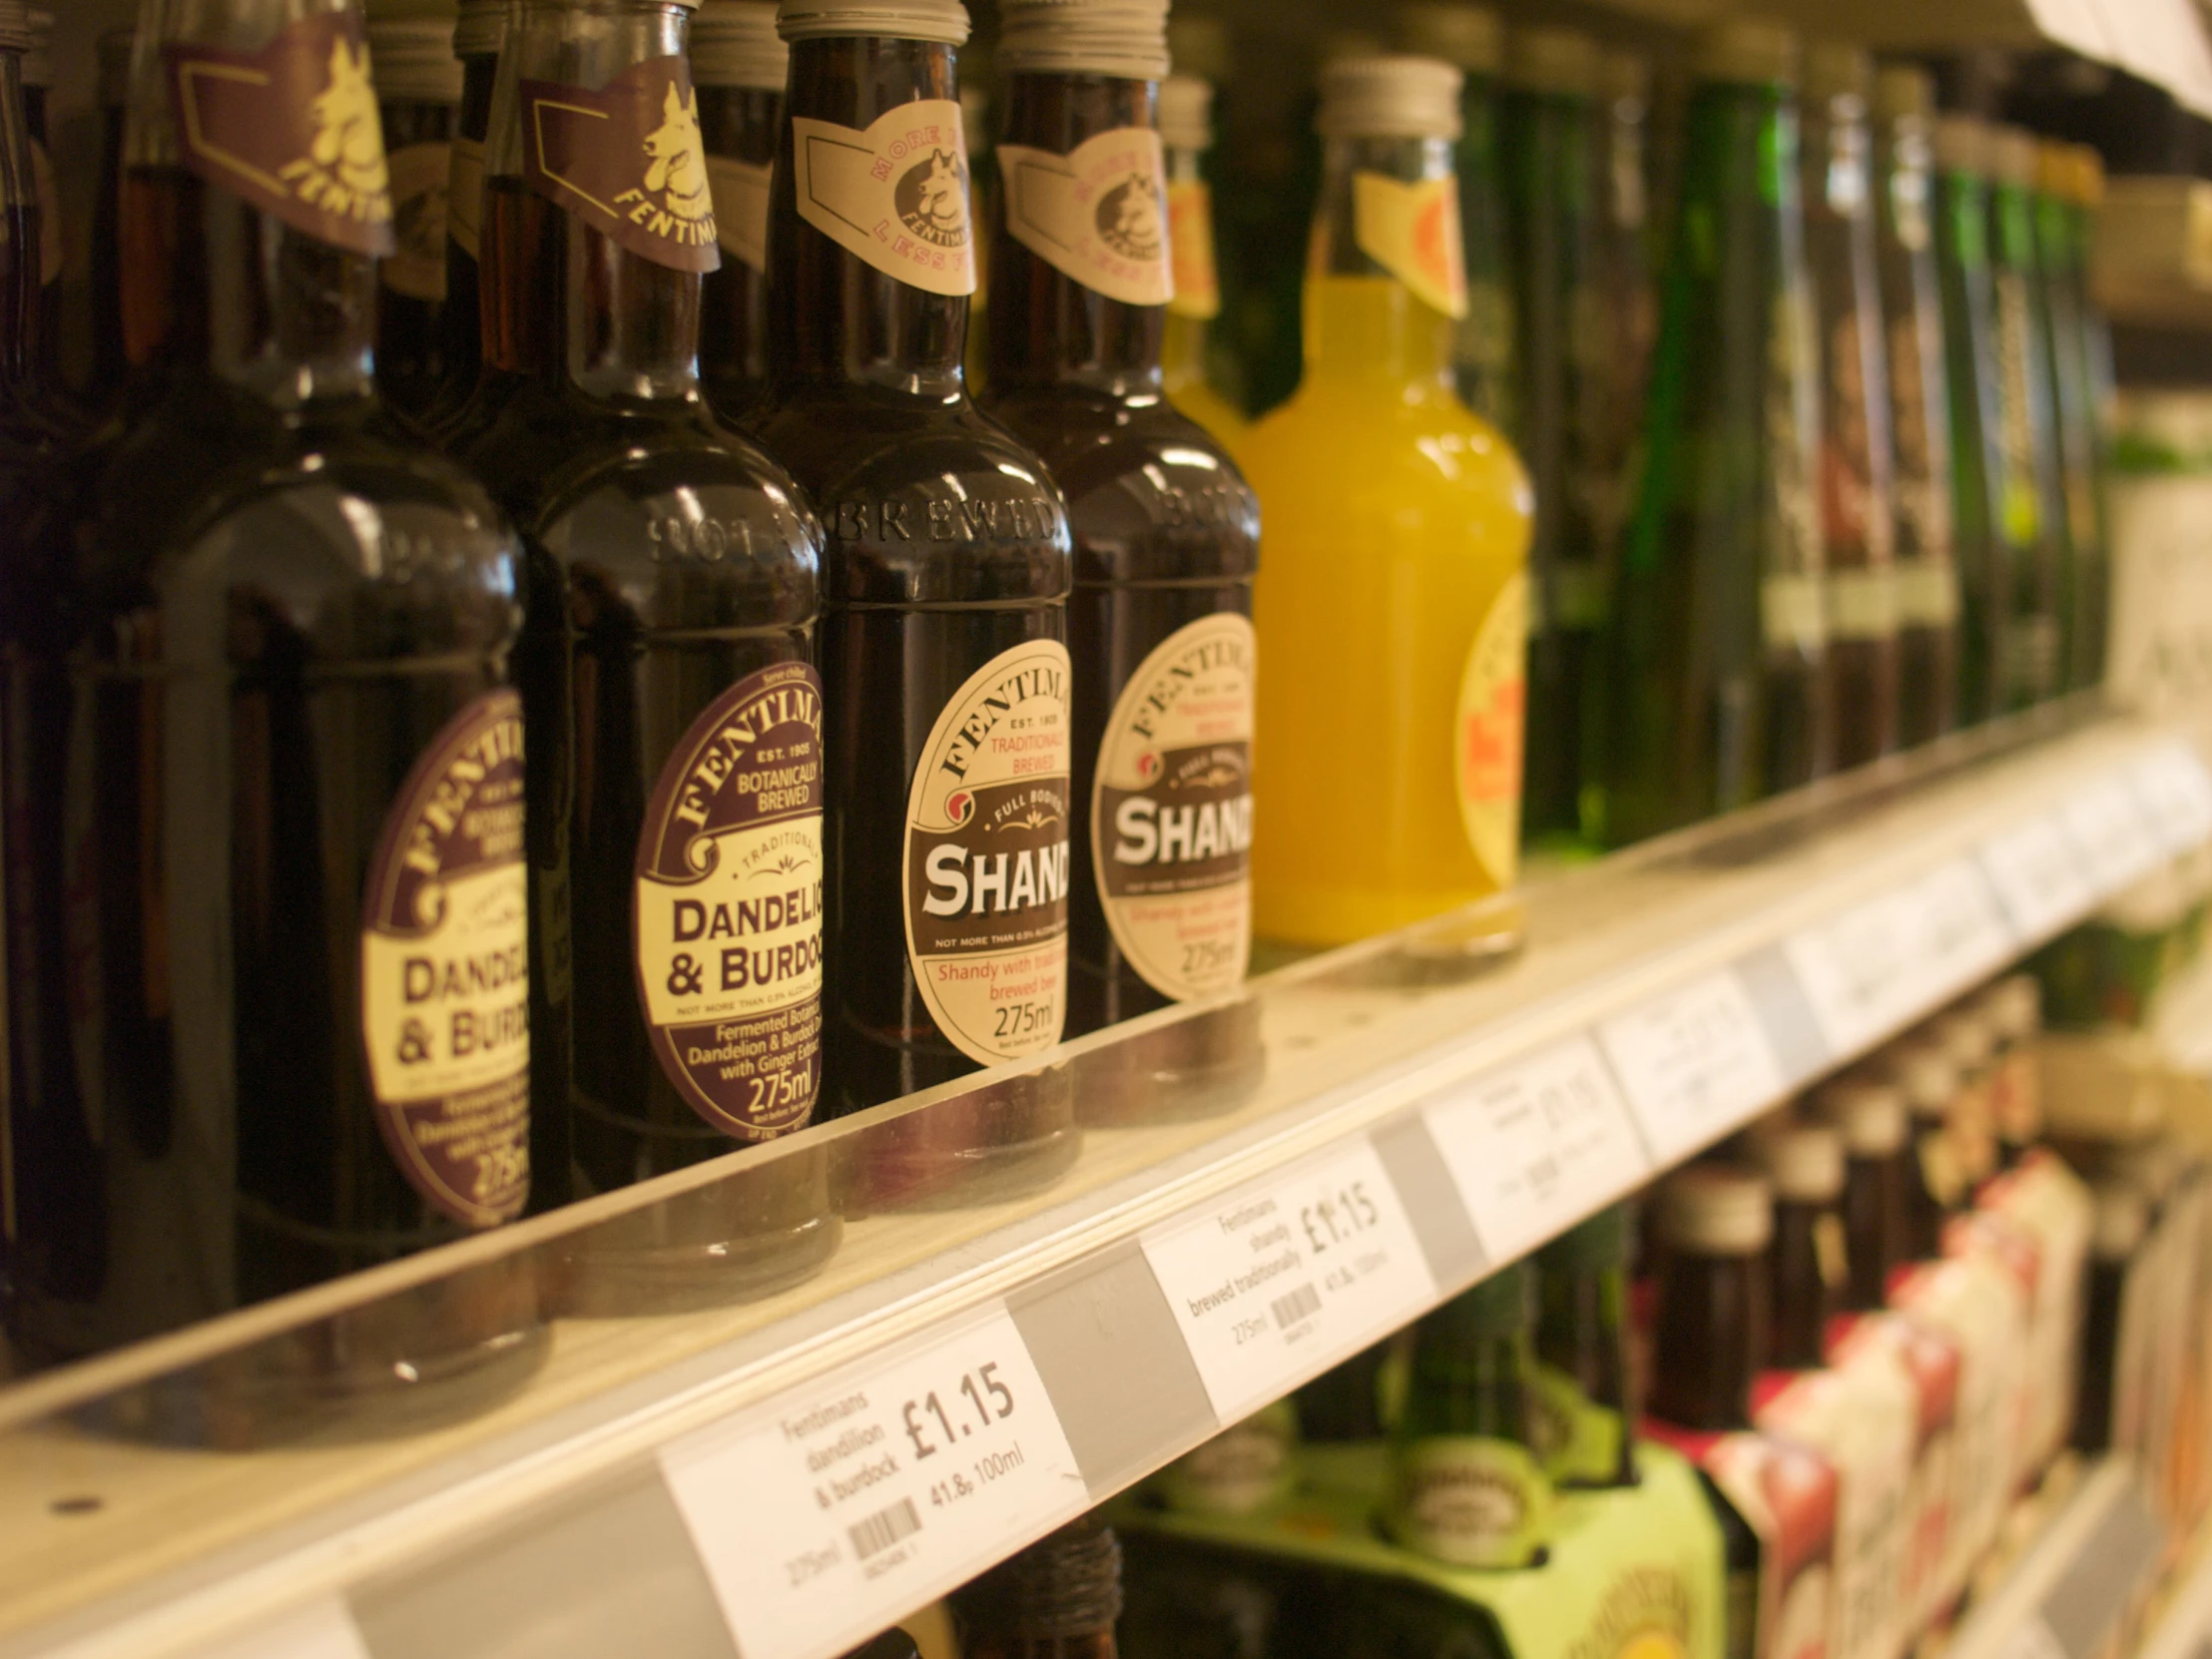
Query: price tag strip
2039, 879
2177, 796
1694, 1064
1536, 1145
1290, 1274
2107, 821
859, 1497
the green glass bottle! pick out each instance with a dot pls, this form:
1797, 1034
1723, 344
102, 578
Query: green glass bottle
1715, 657
1546, 129
1920, 405
2094, 588
1583, 1405
1467, 1485
2062, 264
2031, 497
1471, 40
1628, 304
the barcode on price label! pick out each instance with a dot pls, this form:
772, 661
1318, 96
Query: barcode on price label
2106, 823
2039, 877
1536, 1145
1693, 1063
852, 1500
1290, 1274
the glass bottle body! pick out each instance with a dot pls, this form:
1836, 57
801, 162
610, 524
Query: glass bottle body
1986, 553
412, 289
1188, 350
1484, 342
1877, 1192
739, 125
2032, 495
460, 347
1809, 1279
2059, 267
1582, 1335
1710, 1339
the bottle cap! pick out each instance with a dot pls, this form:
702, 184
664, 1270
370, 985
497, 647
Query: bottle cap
1966, 1037
1564, 61
1716, 1210
733, 43
1498, 1307
1927, 1076
115, 68
942, 21
1198, 46
1904, 91
1748, 50
480, 27
1596, 1243
2014, 1007
1470, 38
2013, 156
412, 60
1806, 1163
1869, 1113
1836, 69
1124, 38
1187, 113
1962, 144
1390, 98
38, 60
2118, 1221
1625, 76
15, 26
1064, 1587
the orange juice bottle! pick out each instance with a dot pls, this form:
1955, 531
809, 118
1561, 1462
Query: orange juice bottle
1186, 132
1393, 600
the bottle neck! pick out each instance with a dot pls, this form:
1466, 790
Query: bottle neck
1182, 335
1710, 1337
1363, 324
22, 300
1046, 328
832, 317
1468, 1382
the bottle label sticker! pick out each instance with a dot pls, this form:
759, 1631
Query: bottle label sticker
1488, 728
1191, 249
628, 160
1577, 1439
1792, 613
1413, 232
1927, 593
464, 196
895, 195
445, 976
741, 209
49, 197
1245, 1468
1863, 604
1098, 214
1469, 1500
986, 874
291, 128
1171, 811
728, 913
422, 175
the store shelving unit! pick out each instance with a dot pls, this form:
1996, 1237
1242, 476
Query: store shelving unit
993, 1348
2082, 1580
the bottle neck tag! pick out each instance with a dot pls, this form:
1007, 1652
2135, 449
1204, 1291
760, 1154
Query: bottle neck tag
1097, 214
896, 196
1413, 232
628, 160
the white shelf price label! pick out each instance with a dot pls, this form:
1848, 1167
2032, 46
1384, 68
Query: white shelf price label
1964, 933
858, 1498
1290, 1274
1861, 970
2107, 824
2177, 796
1693, 1063
2039, 877
1536, 1145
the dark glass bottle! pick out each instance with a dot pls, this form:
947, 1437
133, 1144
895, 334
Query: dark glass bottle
1584, 1383
1628, 304
1929, 1083
945, 612
1194, 361
38, 90
1166, 533
665, 663
2061, 264
1466, 1484
1857, 451
477, 34
1058, 1599
1546, 134
1473, 41
1809, 1273
1715, 672
420, 80
2013, 1011
1919, 404
1344, 1403
2093, 586
103, 383
1877, 1177
33, 415
2120, 1221
296, 950
740, 63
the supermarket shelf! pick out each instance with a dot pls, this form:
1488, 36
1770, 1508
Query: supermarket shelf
2184, 1628
2080, 1581
714, 1476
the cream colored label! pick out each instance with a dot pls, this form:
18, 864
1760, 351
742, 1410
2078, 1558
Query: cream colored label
1413, 232
1863, 604
1470, 1500
1191, 250
1927, 593
421, 176
464, 196
1493, 696
895, 195
986, 868
741, 209
1792, 613
49, 215
1098, 214
1171, 811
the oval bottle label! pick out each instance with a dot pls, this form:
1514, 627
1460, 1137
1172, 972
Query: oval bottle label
986, 874
1097, 214
727, 915
422, 175
1492, 705
1171, 811
628, 160
895, 195
1411, 230
741, 209
445, 976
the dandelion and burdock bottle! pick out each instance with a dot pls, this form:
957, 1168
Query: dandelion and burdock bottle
298, 938
667, 661
1166, 532
740, 63
478, 32
419, 81
1397, 548
1186, 349
2062, 263
945, 590
1546, 137
1058, 1599
1717, 688
1919, 404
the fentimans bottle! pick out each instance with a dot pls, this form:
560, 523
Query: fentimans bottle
1810, 1277
420, 80
477, 34
1186, 353
1878, 1182
1986, 553
740, 63
1057, 1599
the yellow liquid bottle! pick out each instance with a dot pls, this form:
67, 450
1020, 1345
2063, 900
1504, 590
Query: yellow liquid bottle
1391, 605
1186, 132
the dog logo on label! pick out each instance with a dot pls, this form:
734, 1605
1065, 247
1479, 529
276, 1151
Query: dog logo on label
678, 168
350, 139
1129, 218
932, 199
